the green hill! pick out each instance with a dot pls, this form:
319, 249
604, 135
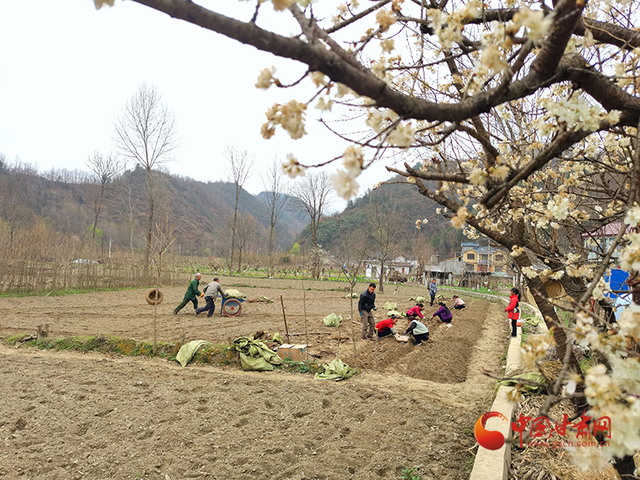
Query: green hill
400, 205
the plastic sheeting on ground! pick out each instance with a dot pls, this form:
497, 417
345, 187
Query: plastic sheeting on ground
419, 299
188, 350
336, 370
332, 320
255, 355
390, 306
233, 293
530, 376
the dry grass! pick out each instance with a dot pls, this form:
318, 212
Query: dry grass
547, 462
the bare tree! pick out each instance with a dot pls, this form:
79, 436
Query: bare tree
241, 166
245, 228
104, 169
146, 134
352, 248
386, 236
164, 236
277, 200
126, 205
423, 251
315, 193
15, 191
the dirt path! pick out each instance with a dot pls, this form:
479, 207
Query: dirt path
68, 415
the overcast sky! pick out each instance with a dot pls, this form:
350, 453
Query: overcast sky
68, 71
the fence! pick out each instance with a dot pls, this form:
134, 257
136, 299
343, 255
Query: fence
28, 276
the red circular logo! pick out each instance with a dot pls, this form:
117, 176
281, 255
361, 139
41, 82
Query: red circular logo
489, 439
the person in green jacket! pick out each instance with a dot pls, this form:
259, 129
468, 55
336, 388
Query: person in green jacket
192, 294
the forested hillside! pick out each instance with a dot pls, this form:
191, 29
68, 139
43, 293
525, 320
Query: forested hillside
395, 207
198, 214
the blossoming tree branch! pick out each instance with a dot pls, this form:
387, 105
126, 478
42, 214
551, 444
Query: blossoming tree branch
519, 118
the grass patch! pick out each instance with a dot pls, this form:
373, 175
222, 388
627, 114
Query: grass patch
60, 293
477, 290
586, 363
410, 474
565, 316
289, 365
98, 343
211, 354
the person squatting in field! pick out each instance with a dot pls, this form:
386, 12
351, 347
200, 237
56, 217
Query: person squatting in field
385, 327
210, 293
513, 310
414, 312
367, 303
458, 303
419, 331
192, 294
443, 313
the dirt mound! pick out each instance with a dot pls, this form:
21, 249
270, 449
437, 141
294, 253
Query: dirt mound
130, 417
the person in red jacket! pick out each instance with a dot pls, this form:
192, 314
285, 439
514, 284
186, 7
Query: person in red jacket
385, 327
414, 312
513, 310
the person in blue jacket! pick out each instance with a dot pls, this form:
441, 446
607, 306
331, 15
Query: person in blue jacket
433, 289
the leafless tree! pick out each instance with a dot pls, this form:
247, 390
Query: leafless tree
350, 251
146, 134
423, 251
385, 234
126, 205
240, 170
246, 226
276, 198
104, 169
163, 238
315, 193
15, 190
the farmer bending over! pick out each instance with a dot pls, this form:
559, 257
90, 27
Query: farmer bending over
419, 331
414, 312
210, 293
385, 327
443, 313
458, 303
192, 294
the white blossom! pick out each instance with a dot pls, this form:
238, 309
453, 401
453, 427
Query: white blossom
265, 79
633, 216
353, 160
292, 168
101, 3
344, 184
280, 5
402, 136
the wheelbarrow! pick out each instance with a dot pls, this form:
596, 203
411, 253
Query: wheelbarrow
231, 307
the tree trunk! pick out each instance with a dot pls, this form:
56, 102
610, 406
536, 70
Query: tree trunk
270, 251
233, 229
147, 252
549, 315
381, 275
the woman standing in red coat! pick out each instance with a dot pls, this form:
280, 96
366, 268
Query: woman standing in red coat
514, 311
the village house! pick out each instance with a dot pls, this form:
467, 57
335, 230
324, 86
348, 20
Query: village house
487, 259
401, 265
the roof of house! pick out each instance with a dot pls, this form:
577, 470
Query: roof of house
608, 230
448, 266
480, 249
